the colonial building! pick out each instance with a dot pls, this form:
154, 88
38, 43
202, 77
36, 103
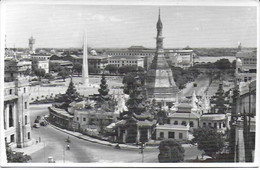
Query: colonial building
120, 61
169, 131
220, 122
181, 58
160, 84
246, 66
16, 119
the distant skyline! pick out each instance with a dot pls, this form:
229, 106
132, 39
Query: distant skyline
62, 26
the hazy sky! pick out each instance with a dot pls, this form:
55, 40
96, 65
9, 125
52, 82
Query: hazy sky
123, 26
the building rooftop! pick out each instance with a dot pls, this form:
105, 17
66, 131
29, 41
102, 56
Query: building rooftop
125, 57
185, 115
210, 117
60, 111
172, 127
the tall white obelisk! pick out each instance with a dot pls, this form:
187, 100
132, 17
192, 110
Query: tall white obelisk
85, 78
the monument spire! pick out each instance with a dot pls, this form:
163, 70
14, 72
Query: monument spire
85, 78
160, 82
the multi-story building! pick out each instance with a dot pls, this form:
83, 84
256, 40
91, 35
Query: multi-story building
181, 58
246, 66
177, 58
40, 56
120, 61
17, 128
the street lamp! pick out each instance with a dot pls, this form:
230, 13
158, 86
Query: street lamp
142, 151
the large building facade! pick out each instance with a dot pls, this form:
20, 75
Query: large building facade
17, 128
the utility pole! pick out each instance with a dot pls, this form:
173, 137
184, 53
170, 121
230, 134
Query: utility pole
142, 151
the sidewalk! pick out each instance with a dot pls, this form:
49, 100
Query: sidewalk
30, 149
90, 139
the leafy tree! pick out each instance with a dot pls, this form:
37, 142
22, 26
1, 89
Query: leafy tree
93, 70
111, 68
39, 73
209, 140
49, 76
162, 117
77, 67
55, 67
223, 64
64, 74
126, 69
17, 157
170, 151
34, 64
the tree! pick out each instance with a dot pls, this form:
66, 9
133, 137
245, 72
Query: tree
55, 67
71, 93
126, 69
170, 151
77, 67
16, 157
39, 73
34, 64
64, 74
209, 140
49, 76
223, 64
103, 90
111, 68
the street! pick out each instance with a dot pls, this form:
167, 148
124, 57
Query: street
202, 83
84, 151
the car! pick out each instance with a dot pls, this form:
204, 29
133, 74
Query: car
36, 125
43, 123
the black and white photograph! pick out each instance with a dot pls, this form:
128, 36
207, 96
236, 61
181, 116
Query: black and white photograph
129, 84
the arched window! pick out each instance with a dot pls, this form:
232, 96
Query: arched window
176, 122
183, 123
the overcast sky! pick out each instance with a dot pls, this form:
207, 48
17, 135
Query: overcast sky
123, 26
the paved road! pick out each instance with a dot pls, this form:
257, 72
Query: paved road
202, 83
83, 151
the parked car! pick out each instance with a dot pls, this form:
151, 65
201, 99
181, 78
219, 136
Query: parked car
43, 123
36, 125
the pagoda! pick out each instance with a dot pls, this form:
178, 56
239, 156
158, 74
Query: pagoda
160, 84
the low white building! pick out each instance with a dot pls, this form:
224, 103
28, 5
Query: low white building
120, 61
167, 131
217, 121
43, 64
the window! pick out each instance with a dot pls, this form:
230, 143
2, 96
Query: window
84, 119
11, 119
161, 135
180, 136
224, 125
191, 124
25, 119
176, 122
25, 105
29, 135
11, 91
209, 124
77, 118
12, 138
204, 124
183, 123
219, 125
171, 135
24, 90
215, 125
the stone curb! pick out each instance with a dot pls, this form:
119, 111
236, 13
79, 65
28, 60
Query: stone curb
98, 141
